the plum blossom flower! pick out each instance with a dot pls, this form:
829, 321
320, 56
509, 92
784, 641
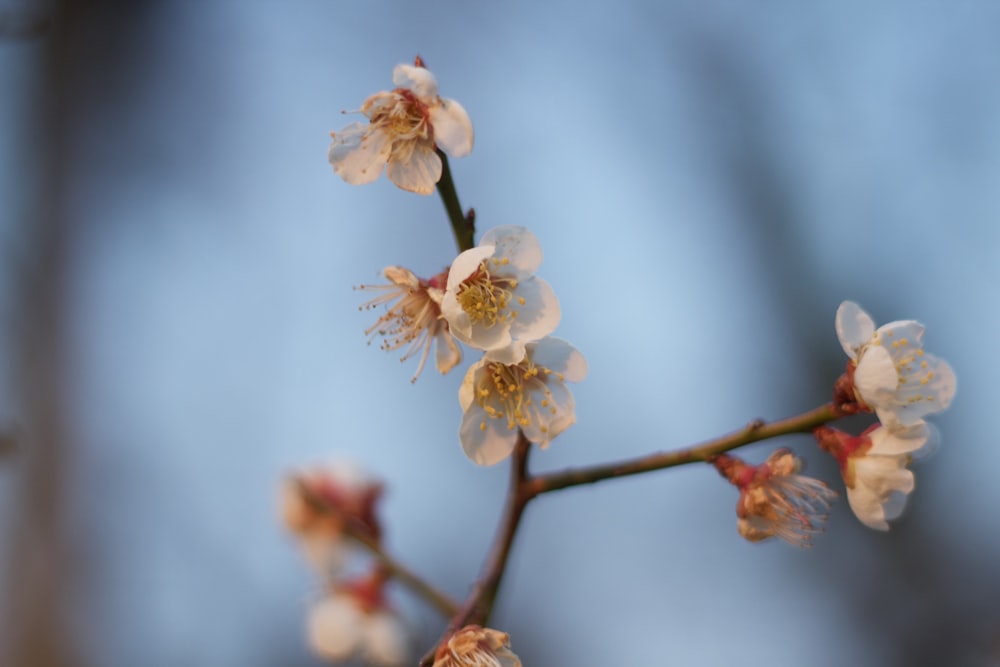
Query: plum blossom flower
354, 619
873, 466
318, 504
475, 646
891, 373
494, 302
413, 320
775, 501
405, 125
530, 395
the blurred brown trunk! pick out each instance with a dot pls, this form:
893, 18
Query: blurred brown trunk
37, 600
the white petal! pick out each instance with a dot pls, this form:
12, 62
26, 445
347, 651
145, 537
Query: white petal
854, 327
418, 79
893, 505
867, 506
485, 446
385, 640
483, 337
419, 173
540, 314
467, 392
509, 354
335, 627
358, 153
560, 356
549, 414
883, 474
467, 263
452, 128
397, 275
876, 378
518, 245
448, 353
899, 440
910, 330
928, 388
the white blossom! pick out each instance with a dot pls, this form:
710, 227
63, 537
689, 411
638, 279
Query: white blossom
893, 375
413, 319
493, 301
405, 125
531, 396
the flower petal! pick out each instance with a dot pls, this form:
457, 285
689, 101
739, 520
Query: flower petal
417, 79
448, 354
486, 441
928, 386
560, 356
854, 328
452, 128
467, 263
358, 153
419, 173
550, 412
875, 378
539, 315
899, 440
385, 640
334, 627
518, 245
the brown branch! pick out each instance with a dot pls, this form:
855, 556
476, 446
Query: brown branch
752, 432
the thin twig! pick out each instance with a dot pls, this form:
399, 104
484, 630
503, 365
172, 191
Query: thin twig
752, 432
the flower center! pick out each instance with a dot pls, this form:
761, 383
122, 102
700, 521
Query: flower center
486, 298
402, 116
506, 392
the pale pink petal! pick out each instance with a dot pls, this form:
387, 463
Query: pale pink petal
452, 128
419, 173
358, 154
417, 79
516, 244
854, 328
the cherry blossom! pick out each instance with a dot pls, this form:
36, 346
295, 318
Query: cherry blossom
475, 646
874, 467
494, 302
892, 374
531, 396
413, 318
405, 126
354, 619
775, 501
318, 504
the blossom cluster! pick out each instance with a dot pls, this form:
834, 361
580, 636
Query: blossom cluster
888, 373
490, 300
323, 507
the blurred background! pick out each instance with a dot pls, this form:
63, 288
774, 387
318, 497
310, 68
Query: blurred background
708, 181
